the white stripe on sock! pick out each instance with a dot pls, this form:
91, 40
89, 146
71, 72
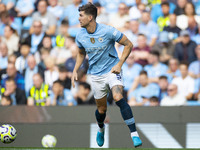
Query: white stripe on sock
134, 134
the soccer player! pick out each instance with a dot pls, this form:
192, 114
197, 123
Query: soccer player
97, 41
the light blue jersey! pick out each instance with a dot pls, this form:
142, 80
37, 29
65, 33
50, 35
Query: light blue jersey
100, 48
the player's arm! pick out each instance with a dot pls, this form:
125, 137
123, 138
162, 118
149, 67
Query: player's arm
127, 49
79, 60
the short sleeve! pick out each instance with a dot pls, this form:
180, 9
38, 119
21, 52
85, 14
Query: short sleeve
115, 34
78, 43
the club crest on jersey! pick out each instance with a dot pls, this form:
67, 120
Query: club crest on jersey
100, 39
92, 40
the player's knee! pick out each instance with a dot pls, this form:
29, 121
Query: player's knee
117, 97
102, 110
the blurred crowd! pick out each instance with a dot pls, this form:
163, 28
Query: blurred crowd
38, 52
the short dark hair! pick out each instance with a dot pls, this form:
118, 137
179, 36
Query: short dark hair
165, 4
10, 80
89, 9
62, 68
153, 99
85, 85
141, 34
184, 63
25, 43
65, 22
143, 72
155, 53
59, 82
8, 98
163, 77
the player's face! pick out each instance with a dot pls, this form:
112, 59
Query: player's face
84, 19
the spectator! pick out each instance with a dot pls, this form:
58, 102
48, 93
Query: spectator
189, 11
3, 73
185, 50
180, 7
155, 69
172, 28
196, 38
156, 11
173, 70
69, 42
141, 52
63, 77
62, 33
153, 101
12, 73
149, 28
102, 16
60, 96
72, 14
165, 47
9, 4
11, 38
163, 84
12, 58
35, 39
21, 62
83, 93
140, 96
55, 9
174, 98
163, 21
17, 95
51, 74
70, 62
44, 54
119, 19
30, 71
60, 53
3, 56
47, 18
6, 101
47, 42
131, 71
192, 27
185, 83
194, 67
39, 93
134, 12
133, 31
2, 7
24, 8
4, 20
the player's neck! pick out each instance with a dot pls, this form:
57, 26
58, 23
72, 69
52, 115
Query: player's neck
91, 27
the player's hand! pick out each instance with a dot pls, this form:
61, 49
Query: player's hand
116, 69
74, 77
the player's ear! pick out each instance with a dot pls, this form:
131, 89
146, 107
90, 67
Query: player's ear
90, 17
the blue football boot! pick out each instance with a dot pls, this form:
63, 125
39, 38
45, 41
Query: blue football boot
100, 138
136, 141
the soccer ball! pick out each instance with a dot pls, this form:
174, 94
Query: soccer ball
49, 141
7, 133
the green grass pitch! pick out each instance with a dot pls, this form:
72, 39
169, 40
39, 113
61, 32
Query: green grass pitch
12, 148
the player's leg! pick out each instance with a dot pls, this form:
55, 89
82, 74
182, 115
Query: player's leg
116, 86
126, 113
100, 88
100, 117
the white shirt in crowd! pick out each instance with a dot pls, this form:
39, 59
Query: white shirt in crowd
185, 86
176, 100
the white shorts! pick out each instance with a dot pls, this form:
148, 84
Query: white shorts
102, 84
